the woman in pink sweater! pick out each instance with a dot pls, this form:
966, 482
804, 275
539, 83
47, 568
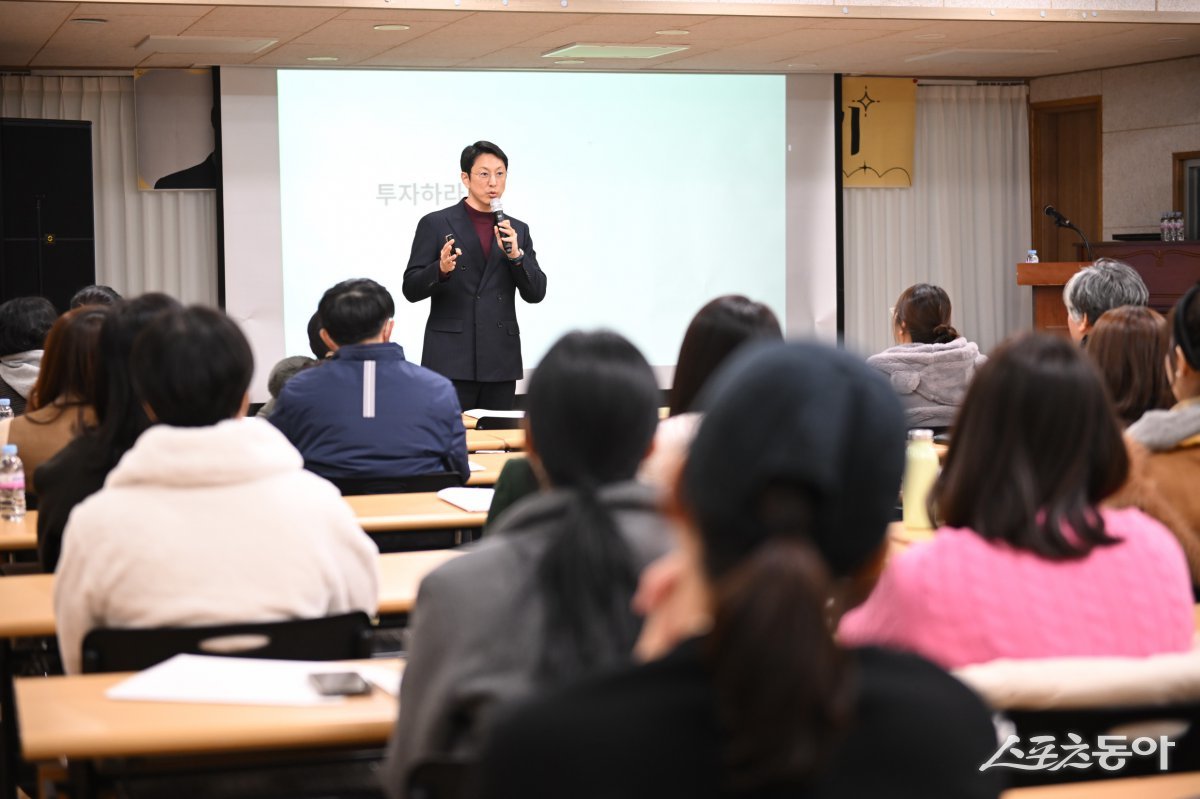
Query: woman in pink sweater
1027, 564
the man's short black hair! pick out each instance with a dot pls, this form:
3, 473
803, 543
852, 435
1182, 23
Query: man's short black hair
473, 151
315, 343
355, 310
24, 323
191, 366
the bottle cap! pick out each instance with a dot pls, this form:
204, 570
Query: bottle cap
920, 434
10, 449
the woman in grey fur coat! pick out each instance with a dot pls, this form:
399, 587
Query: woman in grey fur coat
931, 364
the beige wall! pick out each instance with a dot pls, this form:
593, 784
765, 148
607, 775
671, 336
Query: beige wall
1148, 111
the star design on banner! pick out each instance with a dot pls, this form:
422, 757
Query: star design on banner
866, 101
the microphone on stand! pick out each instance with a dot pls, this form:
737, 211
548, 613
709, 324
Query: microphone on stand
1062, 221
499, 215
1058, 218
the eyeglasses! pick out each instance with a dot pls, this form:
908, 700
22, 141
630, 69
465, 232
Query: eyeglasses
486, 177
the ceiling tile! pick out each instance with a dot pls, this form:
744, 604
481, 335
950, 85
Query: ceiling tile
270, 21
25, 27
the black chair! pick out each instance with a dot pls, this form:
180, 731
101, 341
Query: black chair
356, 486
442, 779
342, 637
497, 423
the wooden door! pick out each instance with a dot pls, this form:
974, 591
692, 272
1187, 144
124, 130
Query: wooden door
1065, 159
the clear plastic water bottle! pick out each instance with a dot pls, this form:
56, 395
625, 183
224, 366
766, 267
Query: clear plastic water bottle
6, 411
12, 485
1163, 228
920, 470
1031, 256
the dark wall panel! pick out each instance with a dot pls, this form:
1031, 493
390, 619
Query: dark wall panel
46, 217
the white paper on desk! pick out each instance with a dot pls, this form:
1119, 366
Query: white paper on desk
476, 467
234, 681
477, 413
472, 500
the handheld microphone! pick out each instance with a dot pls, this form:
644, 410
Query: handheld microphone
1058, 218
499, 215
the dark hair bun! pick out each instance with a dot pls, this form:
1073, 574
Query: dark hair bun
944, 334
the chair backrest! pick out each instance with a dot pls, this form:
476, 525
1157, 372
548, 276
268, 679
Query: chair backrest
497, 423
441, 778
355, 486
343, 637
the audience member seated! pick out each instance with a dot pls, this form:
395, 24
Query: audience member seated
931, 365
1106, 284
1129, 344
1165, 444
782, 504
24, 323
62, 403
368, 412
715, 332
79, 469
545, 597
282, 372
1026, 563
210, 518
95, 295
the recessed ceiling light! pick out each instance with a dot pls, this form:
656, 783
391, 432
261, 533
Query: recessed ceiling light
930, 36
321, 58
569, 62
578, 50
89, 20
392, 27
672, 32
1172, 39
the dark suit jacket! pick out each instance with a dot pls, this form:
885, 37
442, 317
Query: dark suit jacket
472, 332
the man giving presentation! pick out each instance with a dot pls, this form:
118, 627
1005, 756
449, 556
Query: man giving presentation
471, 260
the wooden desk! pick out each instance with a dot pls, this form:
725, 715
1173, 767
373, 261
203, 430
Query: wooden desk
27, 600
71, 717
1166, 786
511, 439
421, 511
401, 573
484, 439
492, 463
19, 535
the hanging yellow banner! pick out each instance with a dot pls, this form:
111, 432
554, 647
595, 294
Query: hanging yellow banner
879, 120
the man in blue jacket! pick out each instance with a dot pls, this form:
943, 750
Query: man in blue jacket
471, 269
366, 412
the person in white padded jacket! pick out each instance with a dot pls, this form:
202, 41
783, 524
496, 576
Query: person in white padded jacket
210, 518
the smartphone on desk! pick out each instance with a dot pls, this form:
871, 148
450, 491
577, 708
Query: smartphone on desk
339, 683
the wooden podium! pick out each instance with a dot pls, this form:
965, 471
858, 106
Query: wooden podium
1047, 280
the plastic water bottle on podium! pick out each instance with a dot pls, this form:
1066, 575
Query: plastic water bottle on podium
12, 485
921, 466
6, 411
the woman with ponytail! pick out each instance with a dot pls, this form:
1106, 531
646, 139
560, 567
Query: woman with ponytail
782, 508
931, 364
545, 598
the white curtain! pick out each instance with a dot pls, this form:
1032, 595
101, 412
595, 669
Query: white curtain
963, 225
145, 240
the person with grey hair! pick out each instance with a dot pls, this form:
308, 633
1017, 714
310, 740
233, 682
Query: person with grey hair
1107, 283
